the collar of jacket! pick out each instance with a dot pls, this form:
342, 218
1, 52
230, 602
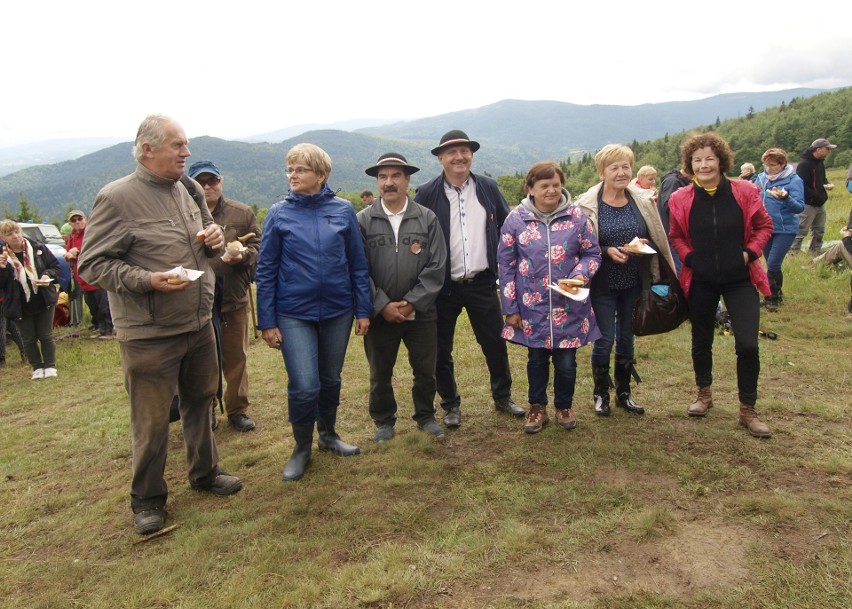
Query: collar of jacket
322, 196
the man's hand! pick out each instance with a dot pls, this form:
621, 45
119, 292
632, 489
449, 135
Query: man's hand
165, 282
829, 186
71, 254
397, 312
214, 238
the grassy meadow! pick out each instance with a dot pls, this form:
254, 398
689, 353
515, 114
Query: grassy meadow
660, 511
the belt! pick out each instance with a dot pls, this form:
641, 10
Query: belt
468, 280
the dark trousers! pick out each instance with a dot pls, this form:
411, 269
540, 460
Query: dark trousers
743, 304
7, 325
564, 376
152, 369
37, 335
479, 299
98, 303
382, 347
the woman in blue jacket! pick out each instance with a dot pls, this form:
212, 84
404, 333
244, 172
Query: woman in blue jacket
784, 198
312, 277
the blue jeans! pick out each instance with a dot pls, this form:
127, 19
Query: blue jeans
775, 250
614, 314
564, 376
313, 356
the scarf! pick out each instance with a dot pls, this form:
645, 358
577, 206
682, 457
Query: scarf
788, 169
25, 272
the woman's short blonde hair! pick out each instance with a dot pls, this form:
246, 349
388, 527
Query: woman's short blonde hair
313, 156
7, 227
610, 154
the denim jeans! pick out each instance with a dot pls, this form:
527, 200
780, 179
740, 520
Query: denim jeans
614, 314
564, 376
775, 250
313, 356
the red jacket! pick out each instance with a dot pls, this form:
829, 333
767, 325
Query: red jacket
757, 222
75, 239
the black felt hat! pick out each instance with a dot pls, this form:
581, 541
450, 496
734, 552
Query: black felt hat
391, 159
454, 138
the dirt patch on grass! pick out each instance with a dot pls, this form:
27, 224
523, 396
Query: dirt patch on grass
701, 557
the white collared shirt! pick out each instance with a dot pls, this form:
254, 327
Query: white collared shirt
395, 219
467, 247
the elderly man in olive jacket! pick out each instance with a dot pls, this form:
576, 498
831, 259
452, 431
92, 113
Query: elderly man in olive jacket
142, 227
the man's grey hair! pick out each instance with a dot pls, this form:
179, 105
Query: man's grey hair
151, 132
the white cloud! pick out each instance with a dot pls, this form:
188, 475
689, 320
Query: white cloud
229, 69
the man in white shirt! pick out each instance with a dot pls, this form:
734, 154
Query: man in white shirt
471, 210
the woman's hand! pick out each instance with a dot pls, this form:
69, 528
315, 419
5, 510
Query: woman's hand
617, 256
745, 258
514, 320
272, 337
4, 257
361, 326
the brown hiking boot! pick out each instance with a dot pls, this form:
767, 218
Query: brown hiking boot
702, 403
537, 418
565, 419
749, 420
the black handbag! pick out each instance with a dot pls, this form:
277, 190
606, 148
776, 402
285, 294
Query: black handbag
655, 313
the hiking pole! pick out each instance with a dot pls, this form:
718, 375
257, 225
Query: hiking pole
253, 313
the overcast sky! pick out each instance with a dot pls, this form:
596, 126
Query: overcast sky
238, 68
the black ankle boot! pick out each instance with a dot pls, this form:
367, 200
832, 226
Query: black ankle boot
329, 440
301, 456
600, 374
624, 368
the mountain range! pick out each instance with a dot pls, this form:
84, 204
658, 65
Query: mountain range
513, 133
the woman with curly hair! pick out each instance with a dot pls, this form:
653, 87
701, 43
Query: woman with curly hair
719, 228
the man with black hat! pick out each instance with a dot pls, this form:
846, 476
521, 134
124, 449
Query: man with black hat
471, 211
407, 255
234, 271
812, 171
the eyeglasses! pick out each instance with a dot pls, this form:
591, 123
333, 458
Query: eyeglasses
299, 171
205, 182
76, 219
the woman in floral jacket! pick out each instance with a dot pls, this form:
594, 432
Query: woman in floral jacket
545, 239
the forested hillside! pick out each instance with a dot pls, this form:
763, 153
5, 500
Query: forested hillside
254, 172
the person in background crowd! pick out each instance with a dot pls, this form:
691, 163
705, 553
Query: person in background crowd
811, 169
234, 272
75, 298
619, 213
471, 211
646, 179
841, 251
142, 227
672, 181
28, 275
367, 198
748, 172
96, 298
783, 196
7, 327
719, 227
545, 239
406, 254
312, 277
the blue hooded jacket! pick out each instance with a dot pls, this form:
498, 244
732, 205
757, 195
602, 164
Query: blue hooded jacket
311, 264
784, 212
